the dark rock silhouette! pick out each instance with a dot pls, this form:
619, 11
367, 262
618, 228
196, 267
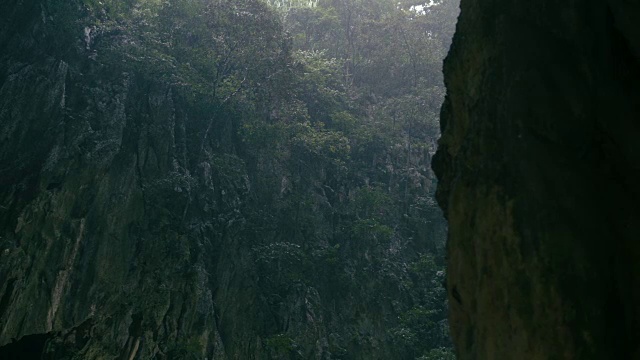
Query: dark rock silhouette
539, 166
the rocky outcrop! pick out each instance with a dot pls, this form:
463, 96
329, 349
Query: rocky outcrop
539, 166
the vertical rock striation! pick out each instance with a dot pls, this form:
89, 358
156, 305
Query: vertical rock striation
100, 251
539, 166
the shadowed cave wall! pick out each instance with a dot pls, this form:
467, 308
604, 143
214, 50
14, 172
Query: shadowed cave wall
539, 165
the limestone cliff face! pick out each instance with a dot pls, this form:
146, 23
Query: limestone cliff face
123, 223
98, 207
539, 167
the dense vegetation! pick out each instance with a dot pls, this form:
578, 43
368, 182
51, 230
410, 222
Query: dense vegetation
319, 119
330, 109
371, 88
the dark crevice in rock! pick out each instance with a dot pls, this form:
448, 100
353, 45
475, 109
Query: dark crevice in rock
6, 297
29, 347
131, 347
456, 295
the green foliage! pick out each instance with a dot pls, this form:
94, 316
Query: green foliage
290, 4
208, 49
425, 266
351, 145
419, 331
439, 354
280, 343
315, 144
372, 202
230, 170
314, 129
282, 264
423, 329
281, 346
372, 230
186, 349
